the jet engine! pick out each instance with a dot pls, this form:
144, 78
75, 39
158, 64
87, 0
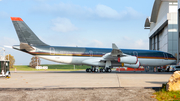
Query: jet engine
137, 65
128, 59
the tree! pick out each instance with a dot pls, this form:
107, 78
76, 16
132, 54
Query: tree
11, 60
34, 62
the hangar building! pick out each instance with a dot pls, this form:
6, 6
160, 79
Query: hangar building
163, 25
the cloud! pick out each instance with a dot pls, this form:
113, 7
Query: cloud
128, 43
132, 43
126, 38
99, 11
95, 43
129, 11
106, 12
63, 25
4, 14
8, 41
60, 8
141, 44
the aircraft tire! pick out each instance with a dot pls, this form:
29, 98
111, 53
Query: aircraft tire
90, 70
87, 70
103, 70
109, 70
96, 70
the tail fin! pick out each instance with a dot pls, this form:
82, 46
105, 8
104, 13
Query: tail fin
25, 34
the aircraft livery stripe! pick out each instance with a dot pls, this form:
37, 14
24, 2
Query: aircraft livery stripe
94, 55
16, 19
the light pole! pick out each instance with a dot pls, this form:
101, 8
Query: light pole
37, 61
3, 52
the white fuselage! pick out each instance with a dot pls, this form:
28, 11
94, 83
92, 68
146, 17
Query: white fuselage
95, 60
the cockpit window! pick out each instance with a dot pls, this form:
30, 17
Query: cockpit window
170, 56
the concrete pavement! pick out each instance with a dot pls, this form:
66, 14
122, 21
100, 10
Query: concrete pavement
81, 79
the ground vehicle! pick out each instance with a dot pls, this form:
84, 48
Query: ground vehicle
171, 68
177, 68
161, 69
4, 64
4, 68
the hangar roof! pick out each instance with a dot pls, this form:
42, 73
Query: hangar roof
155, 10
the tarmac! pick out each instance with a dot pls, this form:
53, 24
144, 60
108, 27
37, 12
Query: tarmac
81, 79
81, 86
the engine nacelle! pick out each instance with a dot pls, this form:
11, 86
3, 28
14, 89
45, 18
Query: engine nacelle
137, 65
128, 59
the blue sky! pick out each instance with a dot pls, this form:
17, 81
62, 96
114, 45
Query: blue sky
82, 23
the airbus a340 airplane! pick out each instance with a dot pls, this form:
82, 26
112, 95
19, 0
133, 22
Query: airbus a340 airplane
95, 57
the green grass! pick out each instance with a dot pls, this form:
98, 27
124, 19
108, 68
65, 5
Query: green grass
164, 95
50, 68
66, 66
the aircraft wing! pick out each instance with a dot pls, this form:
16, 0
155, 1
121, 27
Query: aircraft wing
114, 54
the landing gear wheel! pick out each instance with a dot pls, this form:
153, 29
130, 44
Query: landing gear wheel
96, 70
87, 70
103, 70
109, 70
90, 70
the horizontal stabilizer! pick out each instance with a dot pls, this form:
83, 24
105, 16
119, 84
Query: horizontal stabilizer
26, 47
7, 46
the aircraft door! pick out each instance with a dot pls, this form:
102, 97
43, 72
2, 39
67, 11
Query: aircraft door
52, 51
91, 53
135, 53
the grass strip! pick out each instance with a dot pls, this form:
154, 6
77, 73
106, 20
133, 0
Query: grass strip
164, 95
50, 68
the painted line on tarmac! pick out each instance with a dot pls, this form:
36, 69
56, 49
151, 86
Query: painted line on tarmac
16, 89
118, 80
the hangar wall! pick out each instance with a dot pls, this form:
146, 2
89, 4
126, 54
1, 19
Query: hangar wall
163, 25
163, 39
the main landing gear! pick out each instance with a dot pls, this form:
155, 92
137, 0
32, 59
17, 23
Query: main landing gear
103, 70
96, 70
91, 70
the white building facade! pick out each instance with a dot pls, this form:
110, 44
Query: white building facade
163, 25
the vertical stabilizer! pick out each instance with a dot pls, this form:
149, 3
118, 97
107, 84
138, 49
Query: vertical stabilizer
25, 34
